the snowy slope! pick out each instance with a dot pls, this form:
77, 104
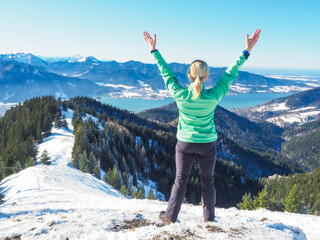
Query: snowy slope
61, 202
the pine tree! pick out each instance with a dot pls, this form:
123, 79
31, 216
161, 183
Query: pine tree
92, 162
76, 156
47, 126
125, 179
255, 202
130, 186
293, 203
262, 200
140, 193
107, 177
17, 167
151, 194
39, 132
30, 162
45, 159
104, 178
247, 202
83, 162
1, 196
64, 121
2, 171
65, 106
116, 179
57, 120
96, 170
123, 190
134, 192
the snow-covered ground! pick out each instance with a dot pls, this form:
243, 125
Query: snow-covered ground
61, 202
295, 116
270, 107
144, 91
283, 116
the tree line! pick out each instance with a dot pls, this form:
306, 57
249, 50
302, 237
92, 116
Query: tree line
298, 193
21, 128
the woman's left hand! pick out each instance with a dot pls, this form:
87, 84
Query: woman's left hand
151, 42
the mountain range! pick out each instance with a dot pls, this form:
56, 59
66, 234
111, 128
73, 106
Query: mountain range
287, 111
287, 128
128, 79
21, 81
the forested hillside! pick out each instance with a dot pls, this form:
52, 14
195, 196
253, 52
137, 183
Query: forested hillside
261, 136
143, 153
134, 151
253, 146
131, 150
21, 128
299, 193
302, 145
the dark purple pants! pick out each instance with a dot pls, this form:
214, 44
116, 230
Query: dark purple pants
185, 154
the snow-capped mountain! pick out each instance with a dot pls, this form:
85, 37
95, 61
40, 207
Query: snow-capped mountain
134, 79
73, 59
126, 78
20, 81
27, 58
58, 201
292, 110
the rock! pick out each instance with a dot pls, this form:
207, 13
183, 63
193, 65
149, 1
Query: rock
51, 223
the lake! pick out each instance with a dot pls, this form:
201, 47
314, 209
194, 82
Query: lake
230, 101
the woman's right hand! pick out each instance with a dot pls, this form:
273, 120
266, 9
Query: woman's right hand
151, 42
250, 42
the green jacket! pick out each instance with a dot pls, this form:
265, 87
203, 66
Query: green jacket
196, 123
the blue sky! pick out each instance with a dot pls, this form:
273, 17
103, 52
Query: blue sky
210, 30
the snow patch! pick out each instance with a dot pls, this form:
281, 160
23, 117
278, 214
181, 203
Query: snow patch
78, 75
287, 89
302, 109
295, 117
280, 107
240, 89
270, 107
36, 72
114, 85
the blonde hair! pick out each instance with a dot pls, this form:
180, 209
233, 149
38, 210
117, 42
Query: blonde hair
198, 73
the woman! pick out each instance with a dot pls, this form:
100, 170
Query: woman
196, 132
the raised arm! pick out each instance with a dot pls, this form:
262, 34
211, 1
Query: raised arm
168, 76
223, 85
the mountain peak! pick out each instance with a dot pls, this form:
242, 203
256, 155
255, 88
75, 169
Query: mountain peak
76, 58
27, 58
80, 58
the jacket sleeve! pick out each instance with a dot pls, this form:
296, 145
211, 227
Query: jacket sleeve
223, 85
168, 76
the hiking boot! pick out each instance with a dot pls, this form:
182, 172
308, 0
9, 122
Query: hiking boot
164, 219
208, 220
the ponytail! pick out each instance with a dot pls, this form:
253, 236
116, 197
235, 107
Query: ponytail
198, 73
197, 87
